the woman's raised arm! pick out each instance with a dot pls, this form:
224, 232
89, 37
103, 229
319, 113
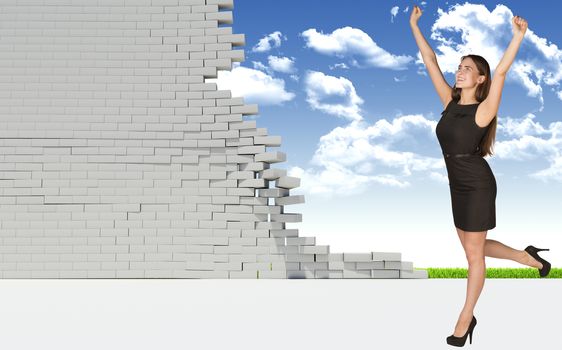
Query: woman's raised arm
429, 59
519, 28
490, 105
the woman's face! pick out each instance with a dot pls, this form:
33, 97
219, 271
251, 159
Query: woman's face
467, 74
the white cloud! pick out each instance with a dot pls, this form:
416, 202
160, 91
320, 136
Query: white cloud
350, 158
271, 40
320, 88
338, 65
260, 66
553, 172
532, 141
523, 126
393, 12
357, 143
526, 148
254, 85
348, 41
335, 179
281, 64
487, 34
277, 64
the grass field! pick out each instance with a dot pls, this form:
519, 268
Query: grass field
492, 272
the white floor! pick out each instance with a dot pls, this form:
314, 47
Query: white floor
274, 314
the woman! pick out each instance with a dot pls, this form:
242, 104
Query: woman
466, 132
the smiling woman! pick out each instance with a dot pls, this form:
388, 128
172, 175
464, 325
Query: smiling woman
466, 132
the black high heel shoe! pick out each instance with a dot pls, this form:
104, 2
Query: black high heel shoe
459, 341
545, 264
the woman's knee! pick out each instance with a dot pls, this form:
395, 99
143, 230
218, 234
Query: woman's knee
474, 251
475, 257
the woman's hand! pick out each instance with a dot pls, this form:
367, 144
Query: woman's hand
519, 26
415, 15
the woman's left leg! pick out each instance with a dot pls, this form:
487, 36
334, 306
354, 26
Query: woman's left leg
474, 243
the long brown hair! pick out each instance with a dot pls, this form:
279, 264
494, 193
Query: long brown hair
482, 90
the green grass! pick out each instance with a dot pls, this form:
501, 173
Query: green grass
493, 272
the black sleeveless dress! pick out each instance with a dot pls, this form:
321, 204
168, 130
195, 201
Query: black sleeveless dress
471, 181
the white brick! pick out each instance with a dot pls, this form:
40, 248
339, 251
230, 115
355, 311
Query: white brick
369, 265
222, 3
273, 192
357, 257
243, 274
384, 273
271, 157
268, 140
288, 182
233, 55
271, 174
289, 200
267, 209
319, 249
235, 39
245, 109
387, 256
243, 125
287, 217
357, 274
254, 183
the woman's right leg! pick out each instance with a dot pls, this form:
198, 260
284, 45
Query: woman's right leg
495, 249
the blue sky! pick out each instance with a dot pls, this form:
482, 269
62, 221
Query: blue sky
344, 86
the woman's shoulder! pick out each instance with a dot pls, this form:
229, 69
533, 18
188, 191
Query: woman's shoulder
448, 102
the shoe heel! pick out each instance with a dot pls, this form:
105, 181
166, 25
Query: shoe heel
540, 250
470, 335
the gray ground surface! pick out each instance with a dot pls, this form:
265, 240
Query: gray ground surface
274, 314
